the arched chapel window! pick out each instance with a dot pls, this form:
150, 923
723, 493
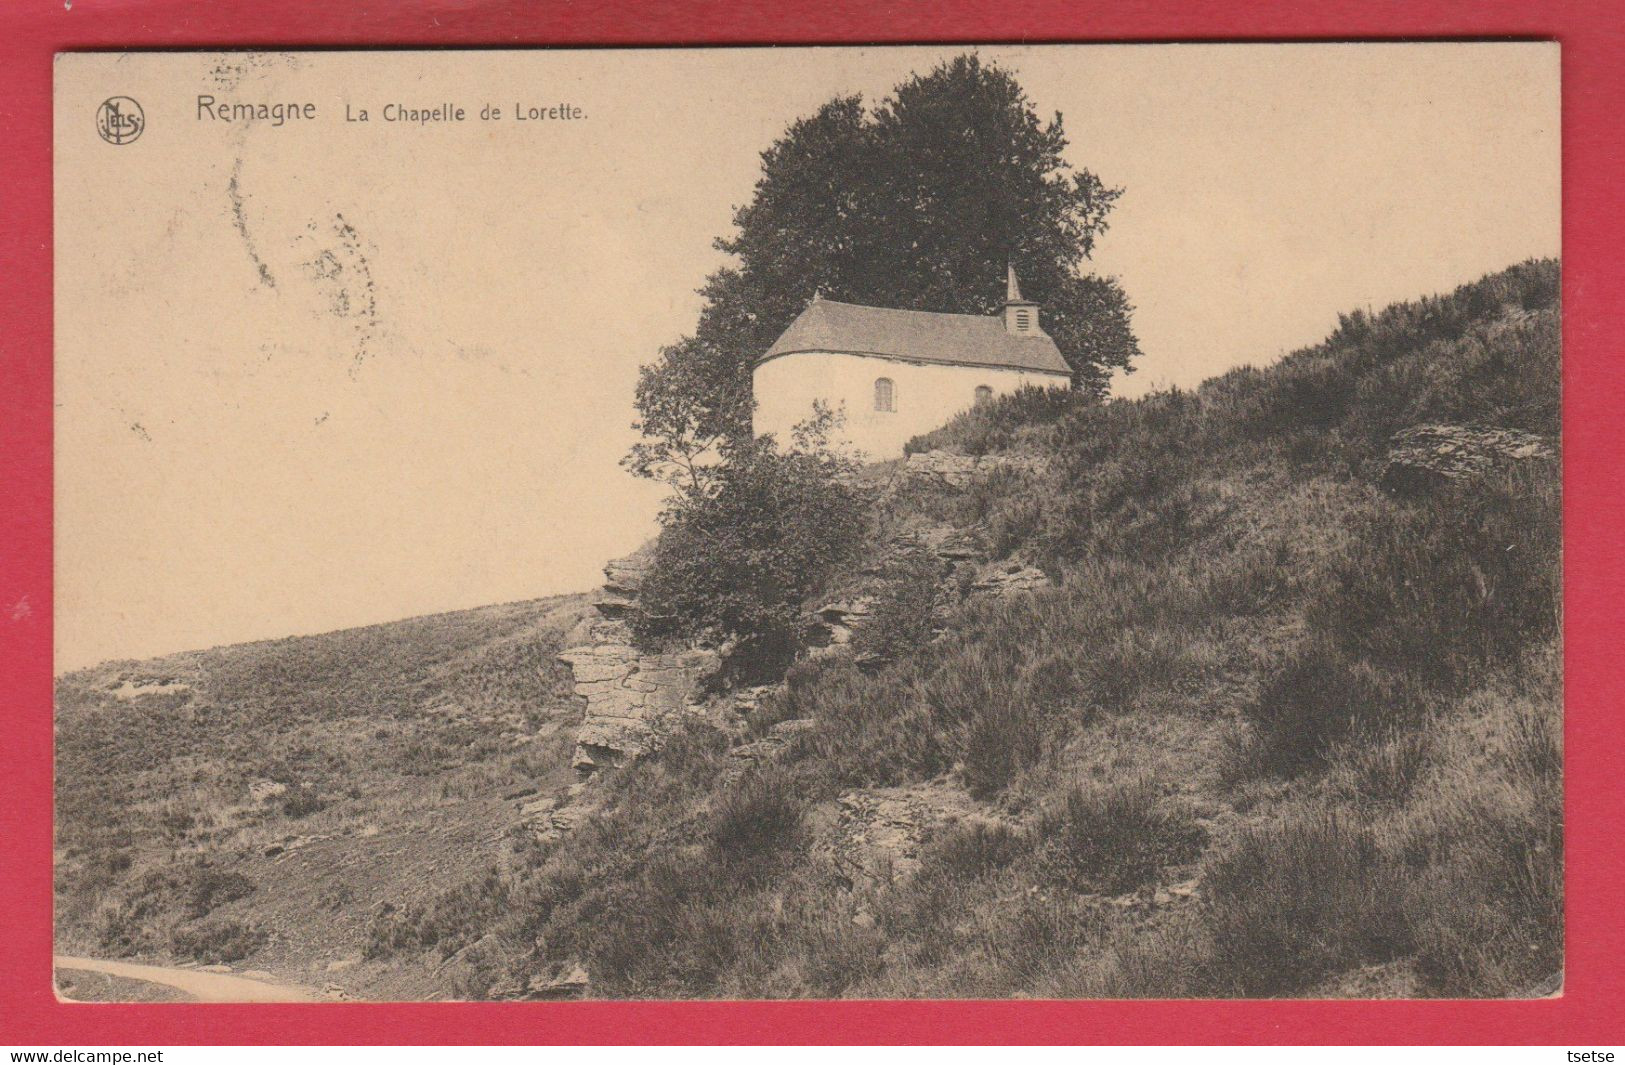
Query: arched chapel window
885, 399
984, 394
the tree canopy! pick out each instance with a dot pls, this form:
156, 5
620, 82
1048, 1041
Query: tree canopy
917, 203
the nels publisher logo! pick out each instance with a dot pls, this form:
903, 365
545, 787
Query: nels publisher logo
120, 120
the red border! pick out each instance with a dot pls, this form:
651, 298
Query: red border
1593, 58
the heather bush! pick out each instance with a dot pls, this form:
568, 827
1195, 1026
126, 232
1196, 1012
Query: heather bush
302, 800
1383, 766
1293, 903
1486, 905
1486, 914
907, 605
996, 424
1430, 596
755, 820
1116, 838
214, 887
1320, 697
994, 730
447, 922
217, 940
1440, 589
973, 850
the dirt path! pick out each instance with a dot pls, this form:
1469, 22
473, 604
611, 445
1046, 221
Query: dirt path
205, 987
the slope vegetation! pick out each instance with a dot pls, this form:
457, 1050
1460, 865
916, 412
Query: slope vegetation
1246, 713
1274, 729
259, 805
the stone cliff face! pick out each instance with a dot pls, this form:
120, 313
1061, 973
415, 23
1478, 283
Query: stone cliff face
631, 697
958, 471
634, 698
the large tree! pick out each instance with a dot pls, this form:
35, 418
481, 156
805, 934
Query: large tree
918, 203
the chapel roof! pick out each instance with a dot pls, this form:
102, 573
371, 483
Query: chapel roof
916, 336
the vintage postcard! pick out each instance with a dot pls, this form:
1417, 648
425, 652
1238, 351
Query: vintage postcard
867, 522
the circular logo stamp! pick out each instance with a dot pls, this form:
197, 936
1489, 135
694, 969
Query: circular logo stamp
120, 120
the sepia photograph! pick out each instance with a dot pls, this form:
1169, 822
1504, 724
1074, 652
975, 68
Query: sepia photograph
890, 523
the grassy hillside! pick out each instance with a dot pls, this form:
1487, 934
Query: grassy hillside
1277, 731
1274, 731
258, 804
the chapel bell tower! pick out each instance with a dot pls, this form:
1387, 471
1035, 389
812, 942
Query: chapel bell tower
1020, 316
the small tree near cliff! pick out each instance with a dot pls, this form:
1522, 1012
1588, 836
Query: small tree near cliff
917, 203
742, 548
685, 418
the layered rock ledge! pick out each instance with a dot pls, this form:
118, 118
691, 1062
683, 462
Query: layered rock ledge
952, 470
1424, 457
631, 696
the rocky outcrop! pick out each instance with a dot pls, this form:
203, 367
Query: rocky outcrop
1426, 457
632, 697
1008, 578
623, 577
558, 983
951, 545
568, 981
745, 700
841, 620
951, 470
552, 816
752, 755
959, 561
872, 836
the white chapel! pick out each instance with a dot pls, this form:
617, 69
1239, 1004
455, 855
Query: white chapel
893, 374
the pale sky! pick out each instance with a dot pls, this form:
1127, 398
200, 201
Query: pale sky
334, 373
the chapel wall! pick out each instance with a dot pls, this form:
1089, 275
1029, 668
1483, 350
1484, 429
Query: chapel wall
925, 395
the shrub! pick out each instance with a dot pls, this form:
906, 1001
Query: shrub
1319, 698
133, 924
212, 887
839, 954
974, 850
998, 740
740, 555
1046, 933
995, 732
1427, 599
447, 922
1296, 902
217, 941
668, 928
1486, 908
126, 927
1307, 392
1487, 915
1117, 838
904, 615
1384, 767
1441, 589
872, 729
755, 820
302, 800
